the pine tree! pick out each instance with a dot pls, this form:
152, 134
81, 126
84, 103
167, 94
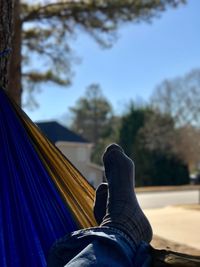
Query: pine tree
42, 29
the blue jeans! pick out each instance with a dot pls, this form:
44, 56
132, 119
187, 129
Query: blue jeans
98, 246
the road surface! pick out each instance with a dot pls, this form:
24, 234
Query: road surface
149, 200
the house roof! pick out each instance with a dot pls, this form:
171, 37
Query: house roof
56, 132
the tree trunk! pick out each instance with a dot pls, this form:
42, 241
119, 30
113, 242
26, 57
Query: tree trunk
6, 9
14, 85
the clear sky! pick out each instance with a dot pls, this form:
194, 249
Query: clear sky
143, 56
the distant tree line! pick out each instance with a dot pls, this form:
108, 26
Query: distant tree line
162, 136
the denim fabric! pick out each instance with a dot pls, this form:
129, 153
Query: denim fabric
98, 247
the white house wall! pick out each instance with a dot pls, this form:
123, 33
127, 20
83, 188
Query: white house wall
79, 154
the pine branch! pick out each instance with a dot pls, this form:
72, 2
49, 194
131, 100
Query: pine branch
82, 11
48, 76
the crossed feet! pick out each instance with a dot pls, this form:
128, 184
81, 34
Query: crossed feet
116, 204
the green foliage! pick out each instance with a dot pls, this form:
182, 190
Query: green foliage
130, 125
109, 137
158, 168
92, 115
144, 137
170, 170
93, 119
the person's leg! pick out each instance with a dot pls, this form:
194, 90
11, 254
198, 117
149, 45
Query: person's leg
123, 211
115, 242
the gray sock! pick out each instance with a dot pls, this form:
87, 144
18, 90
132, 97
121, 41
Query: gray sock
100, 202
123, 210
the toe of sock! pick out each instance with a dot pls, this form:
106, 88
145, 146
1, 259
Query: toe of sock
114, 147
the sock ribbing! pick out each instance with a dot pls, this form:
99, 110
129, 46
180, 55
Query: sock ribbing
123, 210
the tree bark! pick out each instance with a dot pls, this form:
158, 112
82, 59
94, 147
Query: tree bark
14, 72
6, 15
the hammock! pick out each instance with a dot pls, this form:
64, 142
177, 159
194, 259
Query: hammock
42, 195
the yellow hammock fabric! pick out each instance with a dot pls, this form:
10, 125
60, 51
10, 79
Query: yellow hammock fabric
74, 188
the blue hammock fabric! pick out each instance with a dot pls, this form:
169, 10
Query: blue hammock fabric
32, 212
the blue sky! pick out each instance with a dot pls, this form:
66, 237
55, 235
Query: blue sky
143, 56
